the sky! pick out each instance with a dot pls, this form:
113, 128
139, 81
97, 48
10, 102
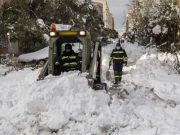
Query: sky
119, 9
66, 105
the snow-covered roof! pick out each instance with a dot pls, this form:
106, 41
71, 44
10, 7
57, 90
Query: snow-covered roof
41, 54
60, 27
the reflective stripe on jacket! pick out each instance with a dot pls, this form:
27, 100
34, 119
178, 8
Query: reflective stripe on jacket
118, 56
69, 60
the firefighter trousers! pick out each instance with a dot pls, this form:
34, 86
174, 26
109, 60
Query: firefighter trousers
117, 68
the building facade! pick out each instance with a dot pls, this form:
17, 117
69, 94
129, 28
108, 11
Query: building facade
107, 16
98, 7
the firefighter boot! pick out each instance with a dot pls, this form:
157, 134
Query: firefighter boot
119, 80
116, 80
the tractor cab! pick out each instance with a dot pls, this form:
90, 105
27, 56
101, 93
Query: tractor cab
58, 50
80, 40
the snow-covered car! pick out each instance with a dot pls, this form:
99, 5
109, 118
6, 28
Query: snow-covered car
39, 57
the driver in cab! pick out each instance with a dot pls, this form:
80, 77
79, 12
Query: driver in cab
68, 60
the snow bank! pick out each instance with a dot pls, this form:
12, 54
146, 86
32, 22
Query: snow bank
66, 105
157, 71
52, 104
134, 52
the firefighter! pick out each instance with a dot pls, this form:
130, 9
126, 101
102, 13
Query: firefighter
68, 60
119, 57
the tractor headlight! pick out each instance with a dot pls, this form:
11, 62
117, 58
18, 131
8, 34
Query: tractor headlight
82, 33
52, 33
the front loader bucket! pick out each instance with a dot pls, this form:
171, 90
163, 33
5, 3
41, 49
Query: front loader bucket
100, 86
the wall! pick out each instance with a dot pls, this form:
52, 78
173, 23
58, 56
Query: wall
3, 50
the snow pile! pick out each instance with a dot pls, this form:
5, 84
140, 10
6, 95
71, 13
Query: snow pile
134, 52
41, 54
157, 71
66, 105
151, 66
54, 104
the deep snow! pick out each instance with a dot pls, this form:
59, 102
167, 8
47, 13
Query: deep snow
65, 105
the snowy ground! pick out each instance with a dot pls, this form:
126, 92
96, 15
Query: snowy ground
65, 105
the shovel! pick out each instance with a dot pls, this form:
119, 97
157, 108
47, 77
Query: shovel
108, 74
